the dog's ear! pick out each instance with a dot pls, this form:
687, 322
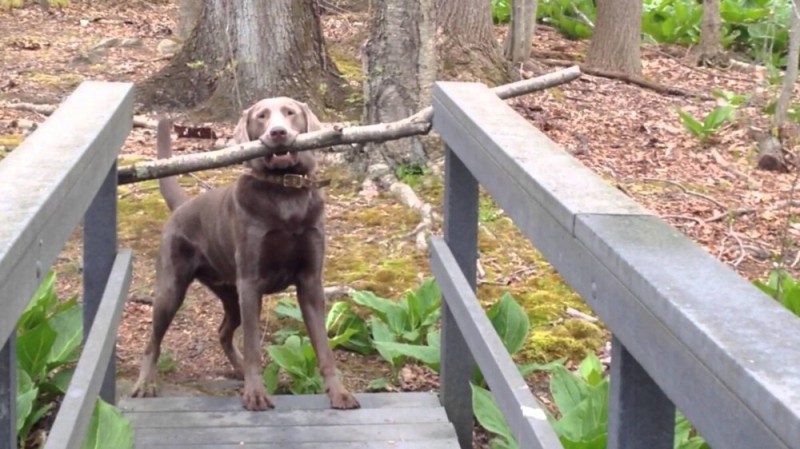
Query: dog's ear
240, 132
312, 121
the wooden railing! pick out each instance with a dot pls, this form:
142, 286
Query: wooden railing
61, 174
688, 332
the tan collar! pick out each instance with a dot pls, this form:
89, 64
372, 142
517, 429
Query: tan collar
289, 180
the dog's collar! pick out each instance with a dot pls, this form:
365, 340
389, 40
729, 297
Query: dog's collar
290, 180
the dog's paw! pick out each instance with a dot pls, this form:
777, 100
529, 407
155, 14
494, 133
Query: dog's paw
144, 390
344, 400
256, 399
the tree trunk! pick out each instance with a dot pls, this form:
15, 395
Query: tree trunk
616, 40
243, 50
709, 52
520, 32
467, 48
770, 155
396, 90
189, 12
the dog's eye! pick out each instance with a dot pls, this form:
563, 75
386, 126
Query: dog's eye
262, 115
290, 112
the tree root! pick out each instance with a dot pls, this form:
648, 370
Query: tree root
639, 81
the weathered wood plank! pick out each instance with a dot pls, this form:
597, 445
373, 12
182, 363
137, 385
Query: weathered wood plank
525, 416
327, 417
99, 253
48, 183
520, 155
732, 330
69, 428
427, 444
686, 368
299, 434
461, 233
281, 401
8, 394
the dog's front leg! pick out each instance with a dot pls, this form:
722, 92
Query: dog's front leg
255, 395
311, 296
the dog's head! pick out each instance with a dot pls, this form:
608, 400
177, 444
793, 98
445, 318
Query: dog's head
277, 122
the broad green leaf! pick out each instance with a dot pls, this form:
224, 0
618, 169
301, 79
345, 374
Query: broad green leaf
271, 377
33, 350
380, 306
488, 413
26, 395
428, 355
717, 117
342, 338
510, 321
43, 299
691, 124
108, 428
286, 308
59, 382
434, 338
281, 335
338, 315
591, 369
39, 411
502, 443
380, 332
397, 319
526, 369
791, 299
288, 357
68, 325
568, 390
599, 442
587, 419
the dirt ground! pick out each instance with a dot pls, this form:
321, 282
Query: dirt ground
630, 135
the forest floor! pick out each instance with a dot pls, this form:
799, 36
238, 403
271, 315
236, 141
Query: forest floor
630, 135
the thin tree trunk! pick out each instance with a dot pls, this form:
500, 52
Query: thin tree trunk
710, 49
789, 78
520, 32
244, 50
615, 44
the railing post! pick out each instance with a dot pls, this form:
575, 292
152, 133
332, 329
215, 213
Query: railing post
99, 252
461, 235
640, 414
8, 394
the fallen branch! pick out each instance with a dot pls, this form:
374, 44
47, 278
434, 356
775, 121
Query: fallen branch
139, 121
637, 80
417, 124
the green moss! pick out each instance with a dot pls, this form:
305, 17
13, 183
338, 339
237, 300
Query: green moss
573, 339
62, 81
349, 66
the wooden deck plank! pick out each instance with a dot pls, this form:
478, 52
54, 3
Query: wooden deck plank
296, 434
431, 444
244, 418
282, 402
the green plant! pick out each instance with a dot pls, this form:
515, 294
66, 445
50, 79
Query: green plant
782, 287
345, 327
408, 320
501, 11
411, 174
296, 357
672, 21
49, 335
581, 398
567, 16
710, 125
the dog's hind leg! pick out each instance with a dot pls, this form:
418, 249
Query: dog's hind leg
172, 281
232, 320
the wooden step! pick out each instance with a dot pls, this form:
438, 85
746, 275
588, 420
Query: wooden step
384, 421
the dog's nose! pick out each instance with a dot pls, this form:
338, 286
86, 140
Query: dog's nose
277, 132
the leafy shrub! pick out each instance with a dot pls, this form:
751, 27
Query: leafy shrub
49, 335
672, 21
345, 327
782, 287
296, 357
710, 125
563, 15
582, 402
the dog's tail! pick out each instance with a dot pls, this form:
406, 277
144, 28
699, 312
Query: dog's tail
172, 192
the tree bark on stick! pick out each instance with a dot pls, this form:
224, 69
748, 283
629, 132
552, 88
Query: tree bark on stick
417, 124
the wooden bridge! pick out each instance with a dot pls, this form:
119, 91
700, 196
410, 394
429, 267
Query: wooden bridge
689, 333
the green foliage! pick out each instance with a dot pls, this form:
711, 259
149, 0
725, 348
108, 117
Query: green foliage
49, 335
782, 287
297, 359
757, 28
345, 327
710, 125
581, 398
108, 428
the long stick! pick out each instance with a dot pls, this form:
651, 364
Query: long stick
419, 123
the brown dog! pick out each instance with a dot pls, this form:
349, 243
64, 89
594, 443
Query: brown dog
256, 236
